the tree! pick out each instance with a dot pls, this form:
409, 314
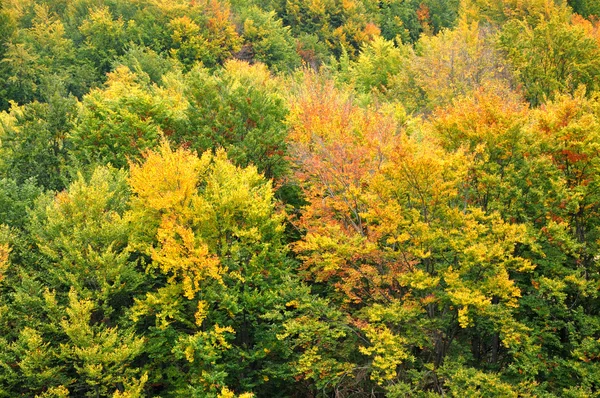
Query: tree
390, 239
550, 58
75, 266
241, 109
208, 36
143, 60
407, 20
377, 64
104, 38
498, 13
124, 119
216, 260
33, 139
42, 56
452, 64
268, 41
531, 168
489, 125
585, 8
335, 23
560, 306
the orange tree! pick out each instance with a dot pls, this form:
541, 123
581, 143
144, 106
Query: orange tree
413, 270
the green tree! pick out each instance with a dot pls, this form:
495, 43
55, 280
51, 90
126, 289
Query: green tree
122, 120
143, 60
241, 109
553, 57
73, 265
561, 305
104, 38
536, 169
585, 8
268, 41
407, 20
376, 66
207, 35
15, 200
33, 139
40, 56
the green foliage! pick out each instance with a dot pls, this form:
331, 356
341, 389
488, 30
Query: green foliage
407, 20
190, 32
569, 58
268, 41
586, 8
82, 234
183, 212
121, 121
33, 140
377, 64
144, 60
15, 199
566, 228
39, 56
100, 354
80, 237
104, 38
241, 109
337, 24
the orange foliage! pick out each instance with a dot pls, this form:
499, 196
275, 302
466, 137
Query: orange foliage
338, 149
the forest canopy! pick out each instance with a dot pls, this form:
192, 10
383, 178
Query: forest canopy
289, 198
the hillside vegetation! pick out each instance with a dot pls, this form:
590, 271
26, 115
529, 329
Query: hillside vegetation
292, 198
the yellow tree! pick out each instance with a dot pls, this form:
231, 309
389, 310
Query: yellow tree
390, 238
453, 63
212, 240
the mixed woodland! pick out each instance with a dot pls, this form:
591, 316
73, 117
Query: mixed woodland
299, 198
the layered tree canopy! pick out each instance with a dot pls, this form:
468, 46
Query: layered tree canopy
323, 198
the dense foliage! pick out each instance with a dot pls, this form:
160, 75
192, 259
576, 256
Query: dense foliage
325, 198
